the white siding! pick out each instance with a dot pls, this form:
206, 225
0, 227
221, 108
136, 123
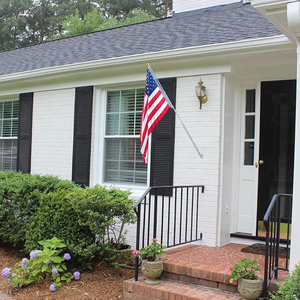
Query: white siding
187, 5
205, 128
52, 133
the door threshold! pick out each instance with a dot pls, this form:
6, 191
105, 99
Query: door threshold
247, 236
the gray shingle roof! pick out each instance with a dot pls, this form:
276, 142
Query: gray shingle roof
220, 24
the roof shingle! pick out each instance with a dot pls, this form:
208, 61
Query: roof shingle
220, 24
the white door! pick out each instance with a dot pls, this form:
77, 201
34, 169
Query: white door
249, 166
267, 150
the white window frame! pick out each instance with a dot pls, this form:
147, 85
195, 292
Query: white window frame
9, 138
98, 147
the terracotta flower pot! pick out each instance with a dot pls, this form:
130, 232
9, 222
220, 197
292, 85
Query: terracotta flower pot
152, 270
250, 289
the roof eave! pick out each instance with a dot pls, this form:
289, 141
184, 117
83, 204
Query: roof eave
275, 12
230, 48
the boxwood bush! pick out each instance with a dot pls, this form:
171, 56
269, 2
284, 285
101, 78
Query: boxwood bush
20, 196
290, 288
89, 220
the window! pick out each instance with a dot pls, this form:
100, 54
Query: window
9, 112
123, 160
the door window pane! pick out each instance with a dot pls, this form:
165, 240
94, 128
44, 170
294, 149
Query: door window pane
249, 127
249, 153
250, 101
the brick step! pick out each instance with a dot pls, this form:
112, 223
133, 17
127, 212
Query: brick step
203, 275
212, 276
171, 290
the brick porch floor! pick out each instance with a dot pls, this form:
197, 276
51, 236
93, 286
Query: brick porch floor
195, 272
214, 258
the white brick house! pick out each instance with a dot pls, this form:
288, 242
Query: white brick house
249, 67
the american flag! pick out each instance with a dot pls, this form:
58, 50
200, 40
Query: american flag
156, 104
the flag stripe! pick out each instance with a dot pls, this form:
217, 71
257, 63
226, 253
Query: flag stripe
155, 106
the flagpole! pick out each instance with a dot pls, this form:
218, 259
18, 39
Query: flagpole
172, 106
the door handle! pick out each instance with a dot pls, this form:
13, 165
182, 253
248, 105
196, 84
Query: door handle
260, 162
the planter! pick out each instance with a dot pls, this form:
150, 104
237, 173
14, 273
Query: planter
152, 270
250, 289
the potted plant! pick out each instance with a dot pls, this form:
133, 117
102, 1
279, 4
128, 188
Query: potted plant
152, 266
249, 284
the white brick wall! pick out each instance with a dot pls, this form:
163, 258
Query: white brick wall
189, 169
52, 133
205, 128
187, 5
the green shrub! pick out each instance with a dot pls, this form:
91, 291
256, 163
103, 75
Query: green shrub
90, 221
56, 217
20, 196
105, 211
290, 289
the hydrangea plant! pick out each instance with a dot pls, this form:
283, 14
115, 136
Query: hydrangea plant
46, 264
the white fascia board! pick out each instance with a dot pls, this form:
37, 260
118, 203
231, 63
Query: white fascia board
201, 52
258, 4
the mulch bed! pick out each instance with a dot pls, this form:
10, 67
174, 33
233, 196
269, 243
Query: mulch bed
103, 282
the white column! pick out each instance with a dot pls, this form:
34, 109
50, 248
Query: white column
295, 240
293, 16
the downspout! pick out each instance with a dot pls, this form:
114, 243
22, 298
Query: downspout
293, 17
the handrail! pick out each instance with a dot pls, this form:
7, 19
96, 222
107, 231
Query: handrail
170, 214
272, 221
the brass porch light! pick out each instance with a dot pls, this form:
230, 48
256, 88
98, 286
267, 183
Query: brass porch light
201, 93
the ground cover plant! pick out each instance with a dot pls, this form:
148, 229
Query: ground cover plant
43, 265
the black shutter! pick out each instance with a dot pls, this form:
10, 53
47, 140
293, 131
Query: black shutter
82, 135
162, 148
25, 132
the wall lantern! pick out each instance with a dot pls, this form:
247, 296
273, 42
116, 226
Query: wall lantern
201, 93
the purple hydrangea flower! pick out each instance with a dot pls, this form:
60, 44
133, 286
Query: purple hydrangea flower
54, 271
67, 256
13, 275
34, 253
52, 287
76, 275
24, 263
5, 272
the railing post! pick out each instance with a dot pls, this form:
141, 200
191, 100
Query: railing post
155, 215
265, 291
278, 220
138, 224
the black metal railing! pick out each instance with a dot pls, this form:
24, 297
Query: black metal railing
277, 221
169, 213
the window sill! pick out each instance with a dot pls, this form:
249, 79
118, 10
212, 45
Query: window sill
136, 191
